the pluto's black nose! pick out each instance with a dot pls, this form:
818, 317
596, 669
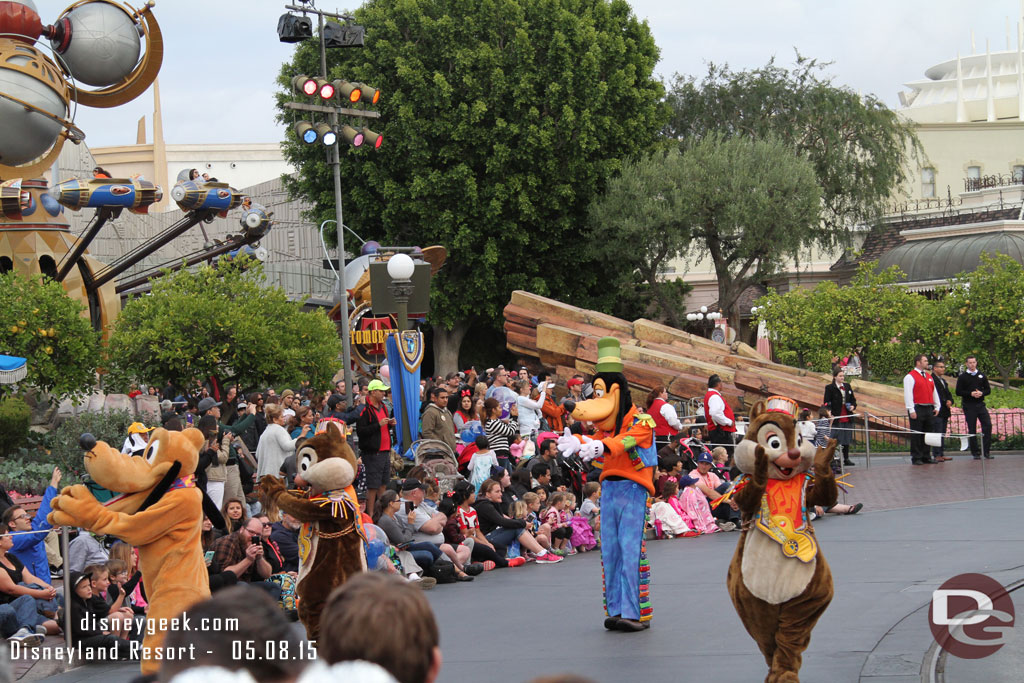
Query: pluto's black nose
87, 441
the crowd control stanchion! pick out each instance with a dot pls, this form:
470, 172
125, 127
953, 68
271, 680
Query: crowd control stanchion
67, 586
984, 471
867, 442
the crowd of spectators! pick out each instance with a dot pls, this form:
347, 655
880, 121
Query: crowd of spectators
518, 500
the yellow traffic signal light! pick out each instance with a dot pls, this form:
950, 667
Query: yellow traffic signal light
347, 92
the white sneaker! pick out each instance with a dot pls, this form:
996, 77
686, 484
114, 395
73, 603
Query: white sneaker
726, 526
26, 637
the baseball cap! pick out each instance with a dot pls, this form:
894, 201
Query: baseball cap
574, 382
139, 428
377, 385
334, 400
704, 456
242, 404
411, 484
207, 403
686, 480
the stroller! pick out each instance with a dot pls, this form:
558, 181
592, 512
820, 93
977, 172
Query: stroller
438, 459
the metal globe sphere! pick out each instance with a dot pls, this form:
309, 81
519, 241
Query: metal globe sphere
371, 247
104, 47
26, 135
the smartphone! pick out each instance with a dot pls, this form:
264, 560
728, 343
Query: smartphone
409, 506
209, 556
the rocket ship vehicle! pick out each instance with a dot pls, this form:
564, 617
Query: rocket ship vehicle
192, 195
134, 194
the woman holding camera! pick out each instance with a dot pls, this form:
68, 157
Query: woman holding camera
841, 403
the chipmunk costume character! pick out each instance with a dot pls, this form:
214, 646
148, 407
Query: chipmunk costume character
624, 451
778, 580
160, 510
331, 538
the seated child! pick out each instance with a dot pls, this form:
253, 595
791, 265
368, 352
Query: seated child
565, 517
805, 426
87, 630
591, 508
695, 507
560, 534
666, 519
721, 463
481, 463
119, 617
542, 532
583, 523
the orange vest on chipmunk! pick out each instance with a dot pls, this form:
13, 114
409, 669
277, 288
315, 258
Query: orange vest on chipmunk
630, 454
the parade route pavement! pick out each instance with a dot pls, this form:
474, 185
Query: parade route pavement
516, 624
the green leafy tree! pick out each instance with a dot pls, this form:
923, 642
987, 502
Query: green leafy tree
221, 322
985, 314
502, 119
44, 325
858, 148
645, 207
747, 205
871, 314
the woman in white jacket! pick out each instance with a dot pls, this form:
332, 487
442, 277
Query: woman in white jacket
275, 444
529, 407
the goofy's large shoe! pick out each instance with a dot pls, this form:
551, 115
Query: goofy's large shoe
778, 580
624, 450
160, 510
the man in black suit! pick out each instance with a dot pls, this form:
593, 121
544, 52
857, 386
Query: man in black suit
972, 387
945, 405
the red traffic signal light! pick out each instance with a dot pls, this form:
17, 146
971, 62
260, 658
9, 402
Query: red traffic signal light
305, 85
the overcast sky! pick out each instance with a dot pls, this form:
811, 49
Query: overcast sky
221, 56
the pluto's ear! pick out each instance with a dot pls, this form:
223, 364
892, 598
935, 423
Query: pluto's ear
195, 436
758, 408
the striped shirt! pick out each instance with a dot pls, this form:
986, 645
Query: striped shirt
500, 435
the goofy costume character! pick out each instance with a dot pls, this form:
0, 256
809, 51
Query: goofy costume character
624, 450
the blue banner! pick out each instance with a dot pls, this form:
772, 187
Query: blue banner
405, 353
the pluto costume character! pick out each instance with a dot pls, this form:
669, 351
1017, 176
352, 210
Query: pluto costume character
778, 580
624, 451
160, 511
331, 538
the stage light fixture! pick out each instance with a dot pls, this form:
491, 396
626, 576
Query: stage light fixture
375, 139
327, 135
292, 28
306, 132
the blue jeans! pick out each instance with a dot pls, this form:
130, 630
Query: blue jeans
47, 605
424, 553
19, 613
502, 538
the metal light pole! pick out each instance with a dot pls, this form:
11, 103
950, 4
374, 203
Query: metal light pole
400, 270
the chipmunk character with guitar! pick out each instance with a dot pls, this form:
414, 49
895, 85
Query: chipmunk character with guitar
778, 579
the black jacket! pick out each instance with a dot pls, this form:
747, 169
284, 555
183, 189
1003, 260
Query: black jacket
490, 517
288, 543
942, 387
834, 398
966, 383
368, 429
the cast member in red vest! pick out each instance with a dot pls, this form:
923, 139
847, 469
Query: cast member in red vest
717, 413
922, 403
